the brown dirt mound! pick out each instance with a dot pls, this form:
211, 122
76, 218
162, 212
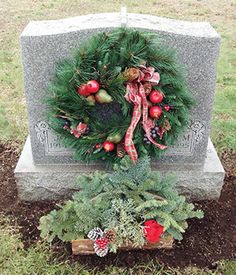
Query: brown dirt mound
205, 242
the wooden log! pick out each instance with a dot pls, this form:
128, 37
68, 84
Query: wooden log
82, 247
85, 246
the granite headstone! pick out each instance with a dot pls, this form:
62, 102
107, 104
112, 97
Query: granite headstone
47, 170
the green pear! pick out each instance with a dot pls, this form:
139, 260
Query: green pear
103, 97
91, 100
116, 138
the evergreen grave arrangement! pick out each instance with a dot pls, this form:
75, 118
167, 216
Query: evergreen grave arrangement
131, 205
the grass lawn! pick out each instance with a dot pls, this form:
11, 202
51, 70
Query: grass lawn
39, 259
14, 16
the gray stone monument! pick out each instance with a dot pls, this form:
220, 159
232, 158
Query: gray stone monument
46, 170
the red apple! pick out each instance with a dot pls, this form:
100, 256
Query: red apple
82, 90
156, 96
155, 112
92, 86
108, 146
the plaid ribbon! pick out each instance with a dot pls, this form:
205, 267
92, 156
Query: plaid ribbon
135, 94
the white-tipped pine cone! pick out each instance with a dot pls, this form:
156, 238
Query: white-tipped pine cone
95, 234
101, 252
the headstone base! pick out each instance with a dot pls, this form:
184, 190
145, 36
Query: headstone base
57, 181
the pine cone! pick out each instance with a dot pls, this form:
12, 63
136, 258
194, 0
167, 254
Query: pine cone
120, 150
147, 88
110, 235
95, 234
101, 252
166, 125
131, 74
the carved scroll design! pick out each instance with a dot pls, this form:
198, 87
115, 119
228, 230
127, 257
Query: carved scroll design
41, 129
198, 129
50, 141
185, 146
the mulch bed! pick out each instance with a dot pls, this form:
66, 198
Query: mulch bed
205, 242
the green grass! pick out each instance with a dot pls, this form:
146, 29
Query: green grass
224, 116
16, 14
39, 259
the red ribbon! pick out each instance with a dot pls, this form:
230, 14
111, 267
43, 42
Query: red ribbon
135, 94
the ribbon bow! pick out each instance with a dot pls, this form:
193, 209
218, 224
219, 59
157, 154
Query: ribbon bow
135, 94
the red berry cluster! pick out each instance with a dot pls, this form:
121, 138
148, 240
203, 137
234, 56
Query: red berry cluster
102, 243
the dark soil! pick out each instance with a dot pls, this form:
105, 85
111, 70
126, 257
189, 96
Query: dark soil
206, 241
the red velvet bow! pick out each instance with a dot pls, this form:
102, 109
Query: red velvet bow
153, 231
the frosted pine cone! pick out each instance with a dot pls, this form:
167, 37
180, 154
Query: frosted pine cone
95, 234
101, 247
101, 252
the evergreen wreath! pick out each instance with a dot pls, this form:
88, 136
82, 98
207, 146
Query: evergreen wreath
122, 93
